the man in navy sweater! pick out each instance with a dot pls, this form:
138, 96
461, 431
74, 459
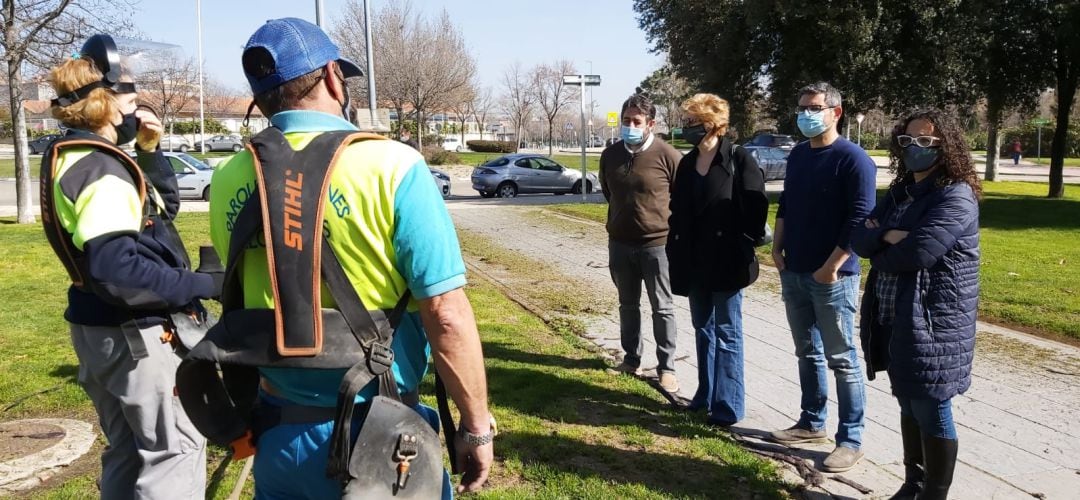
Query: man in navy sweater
829, 189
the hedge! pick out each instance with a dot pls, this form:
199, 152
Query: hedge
436, 155
491, 146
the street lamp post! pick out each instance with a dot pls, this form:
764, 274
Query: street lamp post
202, 114
583, 81
859, 117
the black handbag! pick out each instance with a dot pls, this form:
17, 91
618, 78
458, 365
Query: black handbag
767, 237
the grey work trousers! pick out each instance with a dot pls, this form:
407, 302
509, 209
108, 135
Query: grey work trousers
630, 265
154, 451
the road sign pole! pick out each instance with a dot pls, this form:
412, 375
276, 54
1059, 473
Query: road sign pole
584, 172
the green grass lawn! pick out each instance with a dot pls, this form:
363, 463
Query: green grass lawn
7, 167
1069, 162
1030, 276
569, 428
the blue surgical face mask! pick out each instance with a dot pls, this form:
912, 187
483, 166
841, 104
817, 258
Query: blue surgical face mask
632, 136
920, 159
812, 124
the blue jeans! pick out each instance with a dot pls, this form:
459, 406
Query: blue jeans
822, 320
934, 417
717, 320
291, 459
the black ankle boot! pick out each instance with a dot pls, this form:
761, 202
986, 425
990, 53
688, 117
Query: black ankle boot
939, 458
913, 460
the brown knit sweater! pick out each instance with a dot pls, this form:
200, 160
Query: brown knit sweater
638, 190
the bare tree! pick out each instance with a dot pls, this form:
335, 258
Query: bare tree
481, 107
348, 33
418, 62
442, 63
519, 99
170, 89
461, 104
40, 33
552, 94
221, 98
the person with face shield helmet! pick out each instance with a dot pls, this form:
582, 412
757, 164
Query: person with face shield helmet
109, 219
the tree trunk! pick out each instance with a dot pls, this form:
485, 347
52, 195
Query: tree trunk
551, 141
993, 141
24, 193
1066, 91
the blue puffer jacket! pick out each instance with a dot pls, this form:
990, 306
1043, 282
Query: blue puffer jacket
929, 348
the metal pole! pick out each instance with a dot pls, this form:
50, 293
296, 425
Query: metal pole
318, 13
859, 138
1038, 145
202, 114
370, 66
584, 172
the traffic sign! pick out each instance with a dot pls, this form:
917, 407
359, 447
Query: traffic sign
612, 118
1038, 122
569, 126
588, 80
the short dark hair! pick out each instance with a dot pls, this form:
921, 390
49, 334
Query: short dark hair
258, 61
642, 103
832, 96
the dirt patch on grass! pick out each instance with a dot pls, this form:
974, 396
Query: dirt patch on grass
534, 281
19, 438
1023, 354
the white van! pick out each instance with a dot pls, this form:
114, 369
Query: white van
453, 144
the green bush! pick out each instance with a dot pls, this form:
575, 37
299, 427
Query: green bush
1028, 133
491, 146
192, 127
871, 140
976, 140
32, 134
436, 155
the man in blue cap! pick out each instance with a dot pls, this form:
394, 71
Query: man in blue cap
385, 221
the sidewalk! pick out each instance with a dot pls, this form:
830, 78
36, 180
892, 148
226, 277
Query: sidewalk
1019, 425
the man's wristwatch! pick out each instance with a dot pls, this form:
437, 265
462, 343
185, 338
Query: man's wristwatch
479, 439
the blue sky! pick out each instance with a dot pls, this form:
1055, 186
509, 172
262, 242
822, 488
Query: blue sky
498, 33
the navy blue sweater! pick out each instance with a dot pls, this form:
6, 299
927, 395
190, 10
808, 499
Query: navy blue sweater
827, 192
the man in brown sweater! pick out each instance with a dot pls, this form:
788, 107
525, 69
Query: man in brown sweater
636, 176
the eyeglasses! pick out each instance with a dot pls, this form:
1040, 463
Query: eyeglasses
923, 141
813, 109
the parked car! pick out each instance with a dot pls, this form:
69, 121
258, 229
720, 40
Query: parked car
596, 142
453, 144
508, 175
771, 160
39, 145
192, 175
773, 141
223, 143
174, 143
442, 179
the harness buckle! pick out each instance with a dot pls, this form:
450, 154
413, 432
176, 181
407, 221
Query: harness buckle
380, 358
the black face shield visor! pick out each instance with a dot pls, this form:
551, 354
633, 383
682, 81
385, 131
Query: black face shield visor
101, 50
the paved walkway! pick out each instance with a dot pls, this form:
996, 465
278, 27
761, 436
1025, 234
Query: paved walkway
1019, 425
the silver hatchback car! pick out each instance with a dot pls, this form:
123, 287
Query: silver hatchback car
507, 176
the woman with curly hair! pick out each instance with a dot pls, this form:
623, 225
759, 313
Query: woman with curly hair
918, 312
718, 210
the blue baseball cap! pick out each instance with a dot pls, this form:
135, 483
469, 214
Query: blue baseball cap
298, 48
